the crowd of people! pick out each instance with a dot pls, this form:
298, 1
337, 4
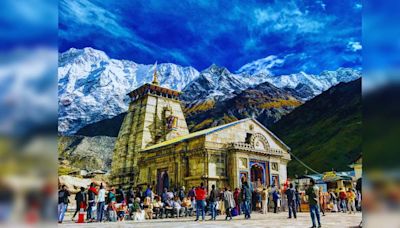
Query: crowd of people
140, 204
343, 201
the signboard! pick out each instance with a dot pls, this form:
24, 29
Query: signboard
330, 176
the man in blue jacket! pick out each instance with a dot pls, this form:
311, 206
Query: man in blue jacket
246, 194
291, 197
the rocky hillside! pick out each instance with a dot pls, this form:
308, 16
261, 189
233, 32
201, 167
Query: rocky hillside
265, 102
325, 132
217, 85
82, 152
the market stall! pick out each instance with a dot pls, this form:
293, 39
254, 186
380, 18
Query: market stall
336, 181
327, 182
303, 182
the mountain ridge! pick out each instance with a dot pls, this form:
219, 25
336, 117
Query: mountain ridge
265, 102
93, 87
325, 132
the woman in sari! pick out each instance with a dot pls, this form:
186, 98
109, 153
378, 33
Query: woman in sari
237, 198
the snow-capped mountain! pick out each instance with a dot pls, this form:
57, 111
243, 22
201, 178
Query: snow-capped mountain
217, 83
314, 83
311, 84
92, 86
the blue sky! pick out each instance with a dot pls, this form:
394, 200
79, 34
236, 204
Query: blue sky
310, 36
28, 23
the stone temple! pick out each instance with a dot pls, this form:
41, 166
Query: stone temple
154, 147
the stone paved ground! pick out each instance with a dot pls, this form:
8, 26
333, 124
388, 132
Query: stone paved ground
257, 220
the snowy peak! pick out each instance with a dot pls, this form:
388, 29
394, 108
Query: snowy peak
92, 86
216, 83
340, 75
88, 60
310, 84
270, 69
315, 83
215, 69
77, 56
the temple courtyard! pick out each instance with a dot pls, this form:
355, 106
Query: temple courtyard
257, 220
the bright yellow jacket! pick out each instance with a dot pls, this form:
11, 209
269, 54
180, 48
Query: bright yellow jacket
351, 195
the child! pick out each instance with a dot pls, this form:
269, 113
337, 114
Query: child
148, 208
111, 205
121, 211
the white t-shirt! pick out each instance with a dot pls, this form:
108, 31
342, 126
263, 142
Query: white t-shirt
102, 195
177, 205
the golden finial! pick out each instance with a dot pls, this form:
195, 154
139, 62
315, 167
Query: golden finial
155, 77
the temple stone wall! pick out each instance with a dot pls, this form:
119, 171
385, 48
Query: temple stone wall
211, 158
208, 159
154, 120
143, 125
238, 133
184, 159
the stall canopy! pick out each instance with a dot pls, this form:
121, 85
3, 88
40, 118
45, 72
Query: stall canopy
316, 177
335, 176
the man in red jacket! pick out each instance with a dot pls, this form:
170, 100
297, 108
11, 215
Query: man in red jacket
201, 194
92, 192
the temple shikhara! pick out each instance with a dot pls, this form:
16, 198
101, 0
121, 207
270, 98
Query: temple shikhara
154, 147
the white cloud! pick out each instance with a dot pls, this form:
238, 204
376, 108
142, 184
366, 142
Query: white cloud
322, 4
30, 97
86, 13
288, 17
354, 46
77, 14
263, 65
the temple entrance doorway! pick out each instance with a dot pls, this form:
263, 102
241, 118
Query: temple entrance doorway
257, 175
162, 180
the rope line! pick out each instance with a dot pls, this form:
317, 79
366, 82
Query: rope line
304, 164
